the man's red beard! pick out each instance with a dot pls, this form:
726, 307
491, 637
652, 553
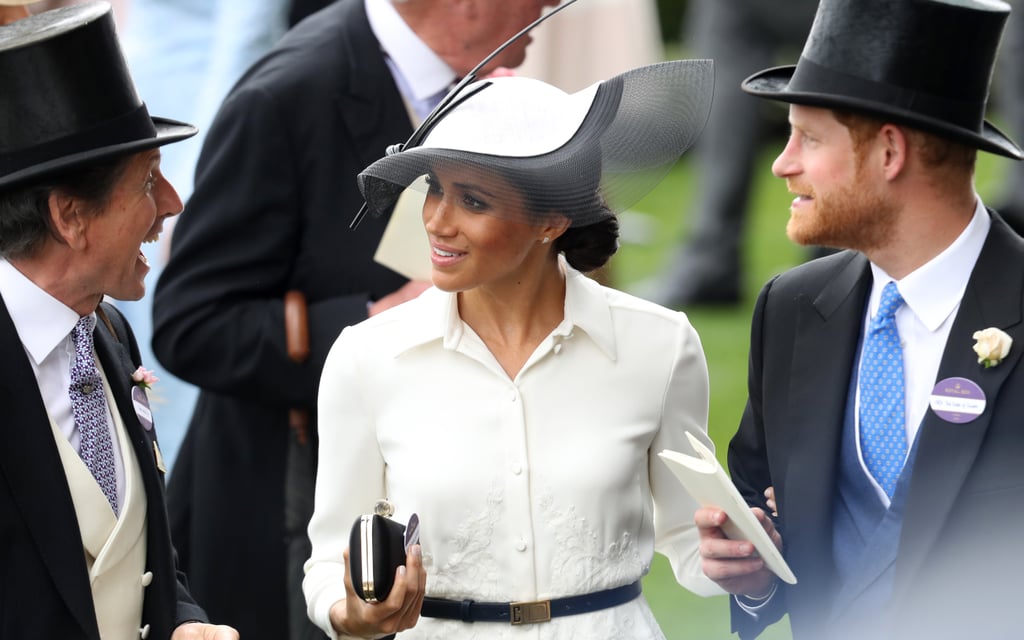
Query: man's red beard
849, 217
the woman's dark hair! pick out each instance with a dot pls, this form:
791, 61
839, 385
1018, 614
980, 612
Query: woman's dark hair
589, 247
25, 210
586, 246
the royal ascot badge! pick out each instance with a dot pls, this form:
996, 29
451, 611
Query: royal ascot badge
142, 380
957, 400
141, 403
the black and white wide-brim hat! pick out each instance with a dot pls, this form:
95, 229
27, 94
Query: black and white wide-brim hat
924, 63
585, 155
66, 97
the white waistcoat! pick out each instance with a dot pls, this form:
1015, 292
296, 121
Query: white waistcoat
115, 547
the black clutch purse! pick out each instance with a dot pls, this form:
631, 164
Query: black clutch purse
377, 547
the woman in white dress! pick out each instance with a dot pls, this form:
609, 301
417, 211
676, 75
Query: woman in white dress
518, 406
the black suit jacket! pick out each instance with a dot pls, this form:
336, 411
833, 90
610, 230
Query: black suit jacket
275, 193
958, 566
44, 583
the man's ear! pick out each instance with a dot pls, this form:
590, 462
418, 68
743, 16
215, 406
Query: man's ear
894, 148
66, 220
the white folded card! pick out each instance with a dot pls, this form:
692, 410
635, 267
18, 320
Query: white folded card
706, 480
404, 247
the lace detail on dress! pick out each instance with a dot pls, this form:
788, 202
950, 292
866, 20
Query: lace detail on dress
582, 562
471, 564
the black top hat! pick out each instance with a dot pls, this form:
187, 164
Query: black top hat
66, 97
925, 63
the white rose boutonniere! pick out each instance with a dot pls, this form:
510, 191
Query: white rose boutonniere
991, 345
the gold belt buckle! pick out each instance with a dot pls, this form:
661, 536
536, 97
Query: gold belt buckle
529, 612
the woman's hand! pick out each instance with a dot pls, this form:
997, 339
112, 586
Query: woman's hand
355, 617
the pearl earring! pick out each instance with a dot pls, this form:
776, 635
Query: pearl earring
545, 240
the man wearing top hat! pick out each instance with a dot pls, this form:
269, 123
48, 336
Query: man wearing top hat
86, 551
885, 406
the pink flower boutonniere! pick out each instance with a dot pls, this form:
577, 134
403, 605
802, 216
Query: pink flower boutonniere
144, 378
142, 382
991, 345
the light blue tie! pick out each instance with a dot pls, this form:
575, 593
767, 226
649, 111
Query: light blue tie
883, 437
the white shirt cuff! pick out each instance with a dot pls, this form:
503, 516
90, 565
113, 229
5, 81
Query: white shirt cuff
753, 606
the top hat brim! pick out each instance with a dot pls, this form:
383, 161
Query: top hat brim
774, 84
167, 131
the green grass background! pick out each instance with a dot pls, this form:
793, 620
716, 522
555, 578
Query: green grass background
724, 332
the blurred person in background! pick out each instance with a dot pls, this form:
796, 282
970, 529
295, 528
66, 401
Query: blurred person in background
185, 55
1009, 99
741, 36
566, 53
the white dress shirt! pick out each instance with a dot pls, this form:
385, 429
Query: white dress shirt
931, 294
542, 486
44, 326
422, 77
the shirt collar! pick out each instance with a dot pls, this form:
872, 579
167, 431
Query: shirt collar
42, 321
586, 311
933, 291
419, 72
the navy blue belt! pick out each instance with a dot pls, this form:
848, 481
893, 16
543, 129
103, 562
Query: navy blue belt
528, 612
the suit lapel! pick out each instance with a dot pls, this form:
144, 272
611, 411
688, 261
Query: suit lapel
118, 364
368, 78
32, 468
118, 367
946, 451
827, 332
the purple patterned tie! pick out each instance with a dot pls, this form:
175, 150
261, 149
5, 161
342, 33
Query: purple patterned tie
89, 406
883, 436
